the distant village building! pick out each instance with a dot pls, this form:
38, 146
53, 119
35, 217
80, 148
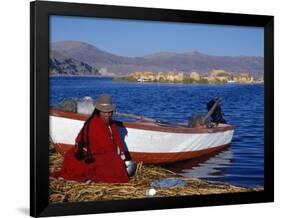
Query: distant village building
220, 75
218, 72
174, 76
243, 78
158, 76
143, 76
195, 76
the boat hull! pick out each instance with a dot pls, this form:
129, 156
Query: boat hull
147, 142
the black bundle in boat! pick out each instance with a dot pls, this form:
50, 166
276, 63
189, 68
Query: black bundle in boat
217, 115
214, 115
67, 104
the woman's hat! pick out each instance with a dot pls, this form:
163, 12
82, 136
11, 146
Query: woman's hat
104, 103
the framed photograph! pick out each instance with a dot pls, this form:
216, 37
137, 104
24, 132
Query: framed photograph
141, 108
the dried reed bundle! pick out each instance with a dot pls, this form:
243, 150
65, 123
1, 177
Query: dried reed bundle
71, 191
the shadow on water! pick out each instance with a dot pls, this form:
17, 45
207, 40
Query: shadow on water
207, 166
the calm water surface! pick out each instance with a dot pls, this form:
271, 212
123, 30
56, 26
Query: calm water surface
240, 164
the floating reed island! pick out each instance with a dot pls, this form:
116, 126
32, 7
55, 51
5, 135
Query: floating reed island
137, 187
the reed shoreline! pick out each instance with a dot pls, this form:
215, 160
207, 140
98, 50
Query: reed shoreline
136, 188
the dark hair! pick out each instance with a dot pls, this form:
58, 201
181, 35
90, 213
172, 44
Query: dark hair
96, 112
84, 143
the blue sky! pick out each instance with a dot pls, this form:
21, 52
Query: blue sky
135, 38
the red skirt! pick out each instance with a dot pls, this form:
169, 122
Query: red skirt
107, 167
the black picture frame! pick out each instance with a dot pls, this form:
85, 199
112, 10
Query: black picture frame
39, 107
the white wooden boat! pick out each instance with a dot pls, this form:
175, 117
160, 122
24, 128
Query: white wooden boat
147, 142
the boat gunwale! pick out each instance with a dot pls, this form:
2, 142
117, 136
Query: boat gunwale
149, 126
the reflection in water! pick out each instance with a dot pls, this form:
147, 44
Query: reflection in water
211, 166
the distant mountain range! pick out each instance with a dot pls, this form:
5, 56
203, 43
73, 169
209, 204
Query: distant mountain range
80, 58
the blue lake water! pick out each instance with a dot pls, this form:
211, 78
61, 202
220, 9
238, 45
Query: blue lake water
243, 104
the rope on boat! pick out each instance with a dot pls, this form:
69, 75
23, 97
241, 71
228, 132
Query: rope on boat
136, 117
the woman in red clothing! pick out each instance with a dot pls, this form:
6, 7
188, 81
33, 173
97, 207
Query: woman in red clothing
98, 145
